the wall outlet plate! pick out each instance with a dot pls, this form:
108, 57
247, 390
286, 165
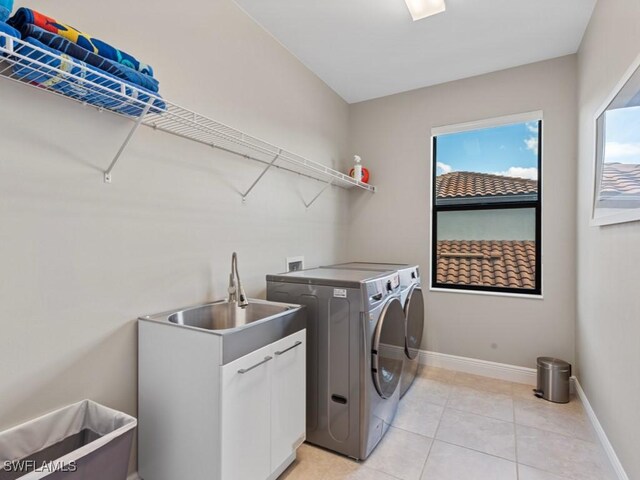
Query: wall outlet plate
295, 264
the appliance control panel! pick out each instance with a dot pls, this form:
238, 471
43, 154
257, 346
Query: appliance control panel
409, 276
380, 288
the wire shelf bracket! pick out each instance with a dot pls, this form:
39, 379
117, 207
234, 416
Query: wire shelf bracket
138, 122
28, 64
255, 182
307, 205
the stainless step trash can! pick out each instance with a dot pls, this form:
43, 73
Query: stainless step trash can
84, 441
553, 379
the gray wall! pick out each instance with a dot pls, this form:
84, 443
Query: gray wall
608, 318
512, 224
81, 260
392, 135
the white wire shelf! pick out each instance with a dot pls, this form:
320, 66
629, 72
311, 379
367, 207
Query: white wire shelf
31, 65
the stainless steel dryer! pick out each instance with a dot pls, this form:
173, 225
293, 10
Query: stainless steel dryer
413, 303
355, 340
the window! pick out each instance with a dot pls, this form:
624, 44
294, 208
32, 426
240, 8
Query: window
486, 206
617, 182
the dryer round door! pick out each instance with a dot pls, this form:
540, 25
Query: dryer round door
388, 348
414, 313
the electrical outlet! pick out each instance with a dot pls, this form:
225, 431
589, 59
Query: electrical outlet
295, 264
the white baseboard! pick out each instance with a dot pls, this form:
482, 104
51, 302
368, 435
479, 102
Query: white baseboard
602, 436
501, 371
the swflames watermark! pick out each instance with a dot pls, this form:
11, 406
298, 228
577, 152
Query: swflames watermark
26, 466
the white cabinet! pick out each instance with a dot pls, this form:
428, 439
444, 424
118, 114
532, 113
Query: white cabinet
202, 420
246, 417
288, 407
263, 410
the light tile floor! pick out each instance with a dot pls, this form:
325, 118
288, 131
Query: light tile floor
456, 426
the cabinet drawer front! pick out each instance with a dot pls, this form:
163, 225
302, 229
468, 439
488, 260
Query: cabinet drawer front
288, 392
245, 419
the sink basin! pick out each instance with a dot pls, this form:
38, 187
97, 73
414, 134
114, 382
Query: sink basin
241, 330
224, 315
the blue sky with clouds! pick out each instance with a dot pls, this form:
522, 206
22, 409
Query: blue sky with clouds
509, 150
623, 136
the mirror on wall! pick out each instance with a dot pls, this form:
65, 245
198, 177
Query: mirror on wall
617, 172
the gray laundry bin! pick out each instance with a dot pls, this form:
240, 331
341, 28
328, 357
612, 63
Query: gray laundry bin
84, 441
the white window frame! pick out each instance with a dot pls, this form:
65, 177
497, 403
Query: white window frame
623, 215
532, 116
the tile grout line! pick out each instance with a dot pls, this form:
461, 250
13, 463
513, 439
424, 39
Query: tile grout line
505, 396
516, 398
415, 433
412, 432
493, 455
362, 465
424, 465
480, 415
515, 433
571, 437
426, 402
554, 474
435, 434
443, 407
483, 416
543, 469
564, 433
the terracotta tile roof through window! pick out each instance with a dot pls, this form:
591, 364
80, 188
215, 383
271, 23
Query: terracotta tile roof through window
471, 184
489, 263
620, 179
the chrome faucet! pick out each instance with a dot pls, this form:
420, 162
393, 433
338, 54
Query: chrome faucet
236, 292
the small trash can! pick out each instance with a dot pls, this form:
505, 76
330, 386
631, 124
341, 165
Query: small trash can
84, 441
553, 379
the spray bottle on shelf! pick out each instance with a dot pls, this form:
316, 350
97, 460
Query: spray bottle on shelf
357, 168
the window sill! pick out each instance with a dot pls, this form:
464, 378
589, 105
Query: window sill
492, 294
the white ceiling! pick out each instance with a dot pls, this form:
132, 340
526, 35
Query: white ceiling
365, 49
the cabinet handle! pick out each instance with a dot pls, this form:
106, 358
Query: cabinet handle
245, 370
297, 344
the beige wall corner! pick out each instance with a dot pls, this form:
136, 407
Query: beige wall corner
392, 135
608, 326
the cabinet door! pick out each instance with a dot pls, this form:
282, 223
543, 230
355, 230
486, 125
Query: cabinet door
245, 416
288, 397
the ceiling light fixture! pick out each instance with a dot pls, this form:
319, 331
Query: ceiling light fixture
425, 8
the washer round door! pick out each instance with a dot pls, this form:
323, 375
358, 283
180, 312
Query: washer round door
414, 313
388, 348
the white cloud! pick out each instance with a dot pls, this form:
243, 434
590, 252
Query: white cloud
532, 144
617, 151
444, 168
530, 173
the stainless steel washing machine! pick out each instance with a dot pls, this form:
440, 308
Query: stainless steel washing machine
355, 342
413, 304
